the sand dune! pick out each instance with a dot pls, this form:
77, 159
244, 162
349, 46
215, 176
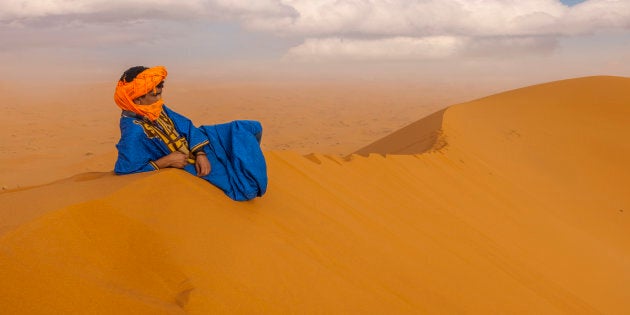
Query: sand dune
519, 207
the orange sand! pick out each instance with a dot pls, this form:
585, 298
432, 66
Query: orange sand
519, 207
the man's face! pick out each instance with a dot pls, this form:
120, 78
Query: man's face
151, 97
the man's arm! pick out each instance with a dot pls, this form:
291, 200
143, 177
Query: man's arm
174, 159
202, 165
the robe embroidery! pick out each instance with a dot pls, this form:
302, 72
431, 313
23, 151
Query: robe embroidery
164, 129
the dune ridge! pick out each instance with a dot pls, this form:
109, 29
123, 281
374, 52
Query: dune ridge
520, 207
415, 138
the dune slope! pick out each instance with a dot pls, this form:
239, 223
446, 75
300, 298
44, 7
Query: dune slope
522, 208
416, 138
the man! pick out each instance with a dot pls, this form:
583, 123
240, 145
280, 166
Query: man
153, 137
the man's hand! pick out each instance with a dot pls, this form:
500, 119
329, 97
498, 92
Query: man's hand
202, 165
174, 159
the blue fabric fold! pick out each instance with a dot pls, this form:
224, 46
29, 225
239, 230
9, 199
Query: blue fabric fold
238, 165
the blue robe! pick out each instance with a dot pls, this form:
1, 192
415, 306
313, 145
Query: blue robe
237, 164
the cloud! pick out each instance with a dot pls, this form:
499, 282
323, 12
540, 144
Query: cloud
394, 48
325, 18
595, 15
89, 11
59, 12
510, 46
444, 18
366, 29
416, 18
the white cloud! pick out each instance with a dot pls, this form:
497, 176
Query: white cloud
325, 18
395, 48
445, 17
595, 15
389, 29
507, 47
116, 10
416, 18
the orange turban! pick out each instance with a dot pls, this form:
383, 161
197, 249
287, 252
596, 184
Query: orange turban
144, 83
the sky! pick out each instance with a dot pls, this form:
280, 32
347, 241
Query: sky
275, 40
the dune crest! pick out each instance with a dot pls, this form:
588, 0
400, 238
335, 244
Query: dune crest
416, 138
522, 209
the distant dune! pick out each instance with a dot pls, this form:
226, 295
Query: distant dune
518, 205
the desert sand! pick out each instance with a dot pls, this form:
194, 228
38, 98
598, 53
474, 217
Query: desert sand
515, 203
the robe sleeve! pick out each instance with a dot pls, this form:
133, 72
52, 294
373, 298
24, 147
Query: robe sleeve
195, 137
135, 153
